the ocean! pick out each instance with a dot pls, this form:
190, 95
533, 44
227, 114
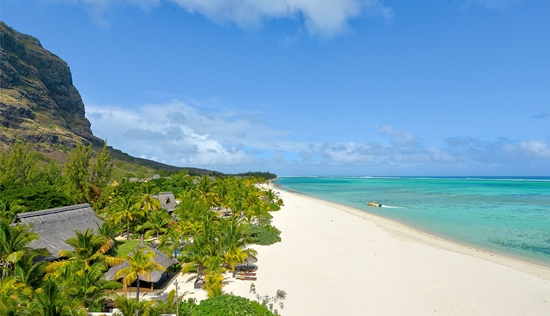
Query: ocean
508, 216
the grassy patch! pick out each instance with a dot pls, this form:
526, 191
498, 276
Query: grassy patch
126, 247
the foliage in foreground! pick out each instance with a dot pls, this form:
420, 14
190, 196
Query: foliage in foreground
229, 305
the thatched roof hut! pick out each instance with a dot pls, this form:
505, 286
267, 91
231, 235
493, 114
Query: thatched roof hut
56, 225
160, 257
167, 200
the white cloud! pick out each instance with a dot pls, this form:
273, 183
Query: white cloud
183, 135
175, 133
439, 155
323, 18
399, 137
534, 148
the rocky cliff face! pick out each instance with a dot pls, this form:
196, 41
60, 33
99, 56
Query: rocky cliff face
38, 102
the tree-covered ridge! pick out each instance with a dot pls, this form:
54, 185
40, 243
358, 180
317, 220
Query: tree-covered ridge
213, 228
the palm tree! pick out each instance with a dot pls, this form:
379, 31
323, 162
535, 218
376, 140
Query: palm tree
234, 239
124, 210
238, 206
168, 305
53, 300
14, 241
14, 296
83, 268
92, 287
87, 249
140, 264
205, 188
214, 280
269, 195
108, 231
146, 201
133, 307
157, 222
29, 271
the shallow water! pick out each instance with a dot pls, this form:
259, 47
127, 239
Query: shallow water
507, 216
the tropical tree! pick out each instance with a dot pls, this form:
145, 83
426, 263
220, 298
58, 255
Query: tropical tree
82, 269
76, 173
133, 307
30, 271
84, 178
51, 299
140, 264
108, 232
88, 249
19, 165
238, 206
14, 296
146, 201
269, 195
168, 305
205, 188
195, 256
124, 209
235, 239
214, 281
92, 287
157, 223
14, 241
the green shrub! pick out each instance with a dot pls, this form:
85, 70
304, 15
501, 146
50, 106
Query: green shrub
34, 198
264, 234
229, 305
186, 307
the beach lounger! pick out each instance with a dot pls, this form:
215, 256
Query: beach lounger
247, 273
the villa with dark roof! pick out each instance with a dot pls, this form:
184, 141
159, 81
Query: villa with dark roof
54, 226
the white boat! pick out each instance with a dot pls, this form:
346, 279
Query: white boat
374, 203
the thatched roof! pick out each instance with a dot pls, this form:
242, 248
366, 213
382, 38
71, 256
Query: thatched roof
167, 200
56, 225
160, 257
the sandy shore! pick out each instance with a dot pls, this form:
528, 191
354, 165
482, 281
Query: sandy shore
335, 260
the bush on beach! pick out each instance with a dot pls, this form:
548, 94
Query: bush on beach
264, 234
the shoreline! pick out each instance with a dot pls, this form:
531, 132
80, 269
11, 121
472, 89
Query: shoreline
429, 236
406, 231
337, 260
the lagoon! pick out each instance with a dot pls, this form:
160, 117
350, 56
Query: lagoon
509, 216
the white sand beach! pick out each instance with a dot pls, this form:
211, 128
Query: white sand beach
334, 260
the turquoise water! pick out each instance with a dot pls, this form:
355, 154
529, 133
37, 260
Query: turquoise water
507, 216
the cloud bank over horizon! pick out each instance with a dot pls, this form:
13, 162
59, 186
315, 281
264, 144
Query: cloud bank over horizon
182, 135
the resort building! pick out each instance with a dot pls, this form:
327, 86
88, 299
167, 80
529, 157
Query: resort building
54, 226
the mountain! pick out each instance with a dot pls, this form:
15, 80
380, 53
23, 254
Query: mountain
40, 105
38, 102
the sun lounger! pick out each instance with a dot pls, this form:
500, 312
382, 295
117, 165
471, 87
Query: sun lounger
246, 273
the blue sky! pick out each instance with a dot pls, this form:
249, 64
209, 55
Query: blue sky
301, 87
